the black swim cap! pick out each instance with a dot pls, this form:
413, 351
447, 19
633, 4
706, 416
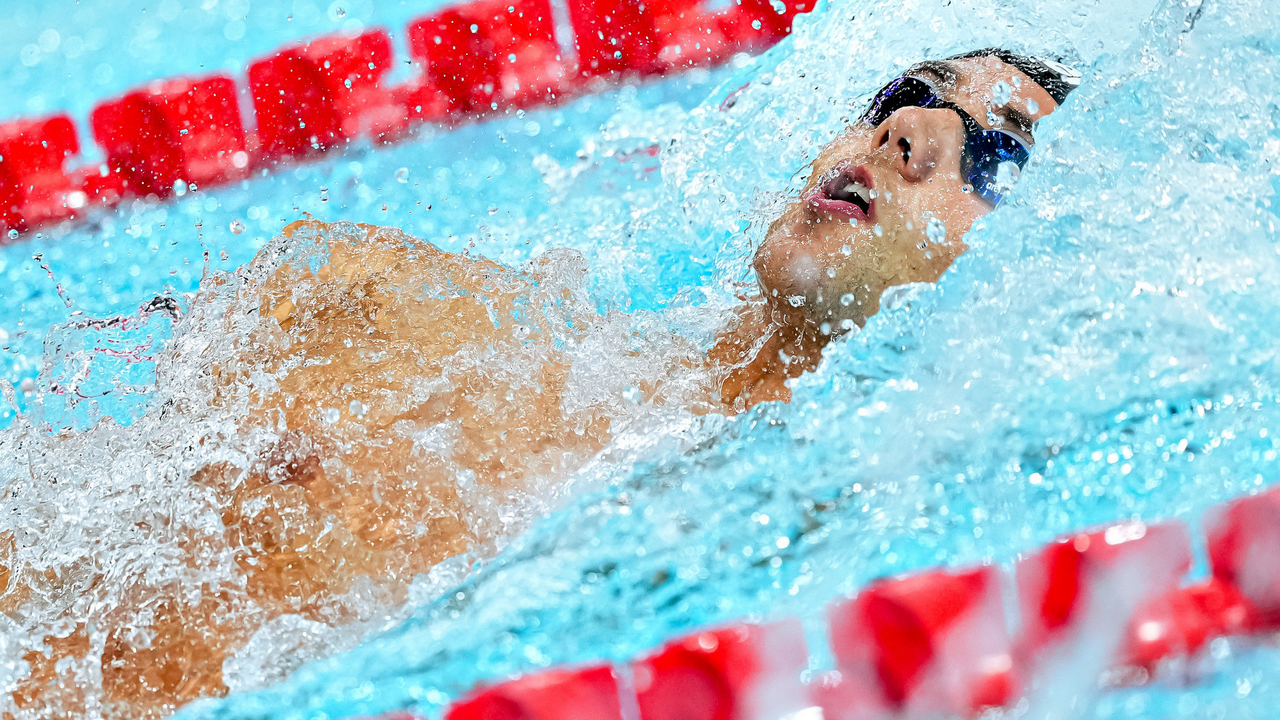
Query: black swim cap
1057, 79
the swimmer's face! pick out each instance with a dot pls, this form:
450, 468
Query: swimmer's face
824, 263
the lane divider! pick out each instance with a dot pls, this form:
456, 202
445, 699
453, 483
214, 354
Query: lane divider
939, 643
475, 58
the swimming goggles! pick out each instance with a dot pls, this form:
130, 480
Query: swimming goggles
984, 151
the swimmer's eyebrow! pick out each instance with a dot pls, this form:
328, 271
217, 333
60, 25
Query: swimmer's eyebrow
936, 70
1017, 117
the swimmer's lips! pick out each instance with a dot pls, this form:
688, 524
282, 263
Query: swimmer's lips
835, 196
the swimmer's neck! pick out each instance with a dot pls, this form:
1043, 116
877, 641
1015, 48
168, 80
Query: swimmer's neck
759, 353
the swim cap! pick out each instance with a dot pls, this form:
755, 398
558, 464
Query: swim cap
1056, 78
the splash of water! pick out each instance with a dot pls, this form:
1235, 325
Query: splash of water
1104, 351
325, 427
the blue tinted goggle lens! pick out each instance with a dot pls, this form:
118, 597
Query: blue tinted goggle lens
984, 150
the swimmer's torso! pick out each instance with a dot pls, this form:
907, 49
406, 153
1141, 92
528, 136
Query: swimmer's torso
396, 405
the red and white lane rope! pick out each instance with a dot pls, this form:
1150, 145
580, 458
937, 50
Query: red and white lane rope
475, 58
939, 643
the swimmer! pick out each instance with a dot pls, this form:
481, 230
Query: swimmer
888, 202
390, 397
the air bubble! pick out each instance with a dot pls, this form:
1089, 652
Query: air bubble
358, 408
402, 175
1033, 107
330, 416
1007, 176
847, 299
1000, 93
13, 234
936, 231
237, 226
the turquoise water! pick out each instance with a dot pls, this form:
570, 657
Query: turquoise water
1106, 349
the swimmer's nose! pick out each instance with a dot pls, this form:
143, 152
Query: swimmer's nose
920, 142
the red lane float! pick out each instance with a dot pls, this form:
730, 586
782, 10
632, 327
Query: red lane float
584, 694
185, 130
34, 186
614, 36
1180, 623
928, 645
491, 54
743, 672
1089, 585
1244, 551
313, 97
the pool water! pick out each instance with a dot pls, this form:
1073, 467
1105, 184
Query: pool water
1105, 350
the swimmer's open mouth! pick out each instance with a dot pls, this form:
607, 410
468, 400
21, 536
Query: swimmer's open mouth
846, 192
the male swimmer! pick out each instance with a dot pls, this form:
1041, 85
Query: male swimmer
391, 397
888, 202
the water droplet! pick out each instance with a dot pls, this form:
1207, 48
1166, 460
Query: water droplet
179, 187
1033, 107
402, 175
13, 234
633, 395
936, 231
1001, 92
358, 408
879, 231
493, 210
825, 328
324, 194
846, 299
222, 255
27, 385
237, 227
330, 415
796, 300
1007, 175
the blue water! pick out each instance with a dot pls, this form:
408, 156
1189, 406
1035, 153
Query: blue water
1106, 349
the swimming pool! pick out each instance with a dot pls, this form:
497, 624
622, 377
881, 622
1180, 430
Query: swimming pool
1103, 352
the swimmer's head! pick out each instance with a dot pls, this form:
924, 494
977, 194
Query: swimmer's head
890, 199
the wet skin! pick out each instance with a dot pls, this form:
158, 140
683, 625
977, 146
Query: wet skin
357, 500
824, 263
913, 161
